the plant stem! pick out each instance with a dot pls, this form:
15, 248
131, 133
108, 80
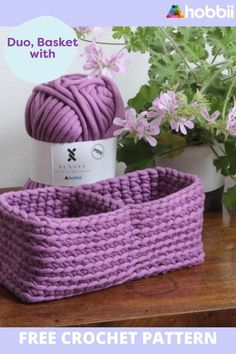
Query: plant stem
190, 144
221, 63
215, 152
230, 77
228, 97
176, 149
216, 55
105, 43
217, 72
178, 50
164, 42
221, 149
152, 51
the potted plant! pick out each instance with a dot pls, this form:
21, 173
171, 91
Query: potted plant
185, 116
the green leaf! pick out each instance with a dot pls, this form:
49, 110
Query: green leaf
144, 98
222, 40
195, 51
221, 164
170, 144
120, 31
230, 199
142, 39
167, 69
230, 150
136, 155
227, 163
191, 42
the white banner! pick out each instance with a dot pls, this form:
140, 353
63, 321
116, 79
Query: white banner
73, 164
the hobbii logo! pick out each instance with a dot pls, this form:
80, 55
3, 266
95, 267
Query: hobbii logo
210, 12
200, 12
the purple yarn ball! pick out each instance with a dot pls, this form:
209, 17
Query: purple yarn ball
73, 108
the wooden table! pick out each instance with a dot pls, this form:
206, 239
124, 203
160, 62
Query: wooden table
200, 296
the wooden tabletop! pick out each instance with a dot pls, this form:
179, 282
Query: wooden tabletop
204, 295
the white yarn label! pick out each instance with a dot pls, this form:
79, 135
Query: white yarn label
73, 164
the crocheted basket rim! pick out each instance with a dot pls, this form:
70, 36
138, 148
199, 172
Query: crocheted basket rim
34, 219
22, 216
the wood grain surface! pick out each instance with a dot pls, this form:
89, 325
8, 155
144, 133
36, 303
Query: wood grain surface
204, 295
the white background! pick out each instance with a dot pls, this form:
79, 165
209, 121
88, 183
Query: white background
14, 92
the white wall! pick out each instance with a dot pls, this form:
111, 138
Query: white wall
14, 145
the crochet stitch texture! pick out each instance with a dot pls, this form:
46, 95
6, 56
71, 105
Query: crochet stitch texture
58, 242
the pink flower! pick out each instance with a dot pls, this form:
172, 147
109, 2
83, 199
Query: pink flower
231, 123
231, 127
146, 131
154, 113
128, 124
167, 102
99, 64
210, 118
83, 30
138, 125
195, 104
94, 59
232, 113
116, 63
180, 124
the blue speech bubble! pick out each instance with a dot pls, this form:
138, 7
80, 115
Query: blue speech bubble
41, 49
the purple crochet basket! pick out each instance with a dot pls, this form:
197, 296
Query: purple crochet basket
58, 242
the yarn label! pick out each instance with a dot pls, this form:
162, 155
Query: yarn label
73, 164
